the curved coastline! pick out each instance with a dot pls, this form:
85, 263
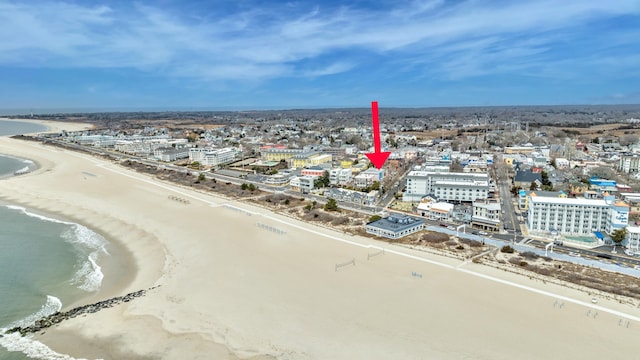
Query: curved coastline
118, 266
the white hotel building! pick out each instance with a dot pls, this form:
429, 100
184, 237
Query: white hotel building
576, 216
211, 156
446, 186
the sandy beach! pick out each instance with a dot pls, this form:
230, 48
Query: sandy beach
229, 288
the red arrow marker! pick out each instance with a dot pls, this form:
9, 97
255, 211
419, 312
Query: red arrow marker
377, 157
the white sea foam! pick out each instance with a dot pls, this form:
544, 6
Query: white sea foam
51, 306
37, 216
28, 162
89, 275
31, 348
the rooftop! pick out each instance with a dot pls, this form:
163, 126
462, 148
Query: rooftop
397, 223
568, 201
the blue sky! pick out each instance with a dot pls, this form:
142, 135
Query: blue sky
278, 54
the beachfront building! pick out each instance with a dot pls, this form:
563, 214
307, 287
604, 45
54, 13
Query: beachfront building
439, 211
633, 239
353, 196
278, 179
395, 226
303, 184
212, 156
170, 153
446, 186
486, 215
576, 216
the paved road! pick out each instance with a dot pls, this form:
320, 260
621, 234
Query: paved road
617, 264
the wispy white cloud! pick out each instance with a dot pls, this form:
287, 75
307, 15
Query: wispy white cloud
452, 41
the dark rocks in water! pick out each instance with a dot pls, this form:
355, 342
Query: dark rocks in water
58, 317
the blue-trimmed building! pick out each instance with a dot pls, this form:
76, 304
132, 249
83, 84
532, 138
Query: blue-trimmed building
395, 226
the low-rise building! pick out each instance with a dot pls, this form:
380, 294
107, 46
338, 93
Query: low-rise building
303, 184
368, 177
309, 159
171, 153
395, 226
314, 171
439, 211
277, 153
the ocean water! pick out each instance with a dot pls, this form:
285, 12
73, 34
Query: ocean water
45, 263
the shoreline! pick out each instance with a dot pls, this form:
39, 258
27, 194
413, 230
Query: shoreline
229, 287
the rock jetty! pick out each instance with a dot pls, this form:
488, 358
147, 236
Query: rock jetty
59, 317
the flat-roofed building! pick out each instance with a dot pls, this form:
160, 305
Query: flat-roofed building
171, 153
519, 150
309, 159
576, 216
212, 156
395, 226
436, 211
523, 196
633, 239
446, 186
368, 177
339, 176
629, 163
278, 153
303, 184
314, 171
486, 215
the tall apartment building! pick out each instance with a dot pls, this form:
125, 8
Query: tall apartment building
576, 216
446, 186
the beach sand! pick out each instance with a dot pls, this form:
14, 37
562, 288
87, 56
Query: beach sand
232, 289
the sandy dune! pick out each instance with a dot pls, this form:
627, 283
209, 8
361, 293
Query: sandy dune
230, 288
